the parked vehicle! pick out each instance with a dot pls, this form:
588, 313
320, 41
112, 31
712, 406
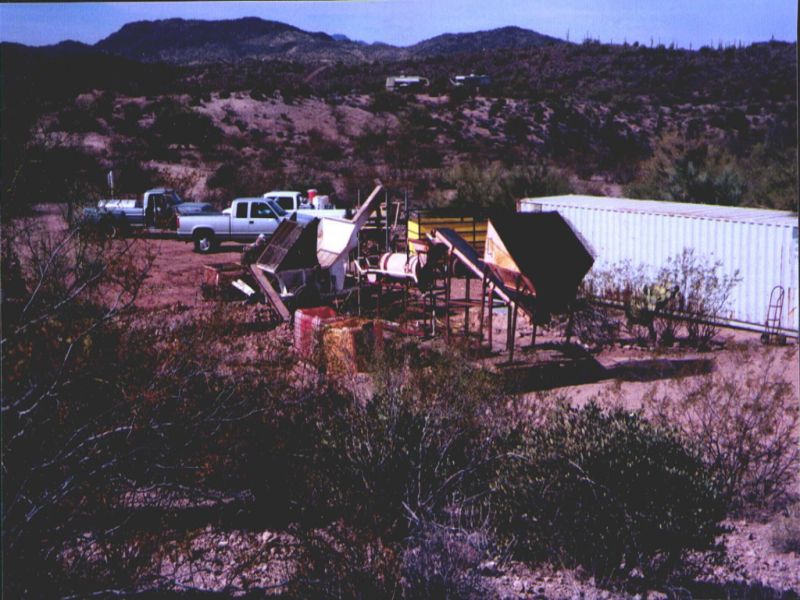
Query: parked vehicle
243, 222
406, 82
155, 211
314, 204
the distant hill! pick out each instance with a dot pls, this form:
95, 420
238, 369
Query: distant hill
185, 42
480, 41
182, 41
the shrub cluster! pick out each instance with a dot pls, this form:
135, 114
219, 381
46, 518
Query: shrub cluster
686, 296
607, 491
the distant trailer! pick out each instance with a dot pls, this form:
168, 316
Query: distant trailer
761, 244
472, 80
406, 82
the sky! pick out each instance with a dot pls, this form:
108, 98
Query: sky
686, 23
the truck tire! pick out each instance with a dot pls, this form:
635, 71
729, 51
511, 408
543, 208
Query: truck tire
204, 242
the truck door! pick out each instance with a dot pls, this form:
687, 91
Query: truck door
262, 220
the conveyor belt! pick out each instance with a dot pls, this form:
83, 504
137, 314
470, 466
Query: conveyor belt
468, 256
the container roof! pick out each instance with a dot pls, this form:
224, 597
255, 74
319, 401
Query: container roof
681, 209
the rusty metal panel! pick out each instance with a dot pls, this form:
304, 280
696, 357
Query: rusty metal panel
292, 246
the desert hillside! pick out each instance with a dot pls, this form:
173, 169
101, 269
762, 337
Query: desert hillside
236, 107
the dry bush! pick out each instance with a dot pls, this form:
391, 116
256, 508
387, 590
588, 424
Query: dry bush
688, 294
443, 562
100, 404
745, 424
785, 535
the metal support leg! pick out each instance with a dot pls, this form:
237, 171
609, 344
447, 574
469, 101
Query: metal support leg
508, 327
491, 316
466, 307
380, 293
447, 293
483, 310
513, 336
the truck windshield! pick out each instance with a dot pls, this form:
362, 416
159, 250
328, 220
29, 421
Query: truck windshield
277, 208
173, 198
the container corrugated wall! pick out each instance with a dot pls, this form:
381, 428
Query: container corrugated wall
765, 254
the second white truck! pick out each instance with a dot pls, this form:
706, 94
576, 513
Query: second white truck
313, 204
243, 222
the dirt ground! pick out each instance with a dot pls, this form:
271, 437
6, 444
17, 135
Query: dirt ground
621, 375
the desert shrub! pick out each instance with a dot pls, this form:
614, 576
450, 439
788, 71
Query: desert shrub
187, 128
77, 119
688, 294
608, 491
703, 293
384, 101
340, 563
772, 177
694, 172
324, 148
745, 426
516, 128
369, 142
101, 404
416, 445
223, 177
53, 173
442, 562
593, 324
785, 535
493, 186
61, 429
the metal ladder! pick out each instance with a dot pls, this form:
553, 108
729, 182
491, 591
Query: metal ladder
772, 325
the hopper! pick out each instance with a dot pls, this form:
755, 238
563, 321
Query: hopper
538, 255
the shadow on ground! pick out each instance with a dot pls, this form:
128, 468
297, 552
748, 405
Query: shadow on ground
550, 366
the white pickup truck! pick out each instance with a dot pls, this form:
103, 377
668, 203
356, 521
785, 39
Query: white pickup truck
155, 211
317, 206
244, 221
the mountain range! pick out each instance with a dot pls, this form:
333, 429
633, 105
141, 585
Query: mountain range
187, 42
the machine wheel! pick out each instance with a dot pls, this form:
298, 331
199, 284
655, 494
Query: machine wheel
204, 242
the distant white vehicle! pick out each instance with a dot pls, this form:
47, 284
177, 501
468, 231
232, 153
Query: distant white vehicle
313, 204
471, 80
410, 82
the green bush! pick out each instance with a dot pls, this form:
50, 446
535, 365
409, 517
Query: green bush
493, 186
607, 491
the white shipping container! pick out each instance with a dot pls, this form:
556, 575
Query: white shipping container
761, 244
